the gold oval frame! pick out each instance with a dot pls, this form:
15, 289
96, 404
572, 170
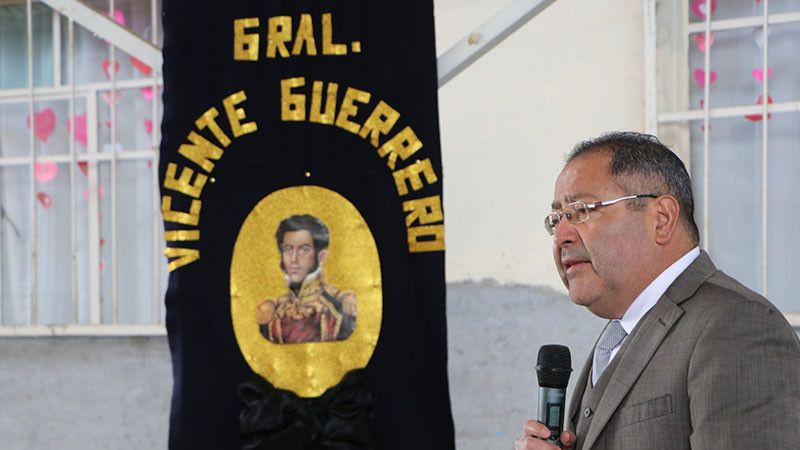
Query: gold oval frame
307, 369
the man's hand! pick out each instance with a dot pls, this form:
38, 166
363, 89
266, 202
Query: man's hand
265, 312
349, 305
533, 434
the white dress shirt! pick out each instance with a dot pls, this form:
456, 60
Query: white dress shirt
650, 295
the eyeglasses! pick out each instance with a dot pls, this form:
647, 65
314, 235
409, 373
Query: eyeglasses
578, 212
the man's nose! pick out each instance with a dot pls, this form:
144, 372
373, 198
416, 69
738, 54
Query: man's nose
293, 255
565, 233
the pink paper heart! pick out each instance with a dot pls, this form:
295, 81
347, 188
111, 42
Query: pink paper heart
758, 74
701, 41
699, 7
107, 98
118, 16
45, 199
148, 126
80, 128
102, 192
700, 77
43, 123
147, 93
102, 266
107, 64
756, 117
141, 67
45, 171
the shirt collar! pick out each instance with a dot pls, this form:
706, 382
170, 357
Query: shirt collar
650, 295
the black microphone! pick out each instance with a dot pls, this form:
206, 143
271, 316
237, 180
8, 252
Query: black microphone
553, 368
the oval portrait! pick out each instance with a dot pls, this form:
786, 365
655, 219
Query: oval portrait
306, 292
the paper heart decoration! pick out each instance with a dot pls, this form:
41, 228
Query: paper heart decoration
150, 164
700, 77
45, 199
141, 67
43, 123
148, 126
102, 242
86, 193
107, 98
45, 171
147, 93
699, 7
700, 39
755, 117
80, 128
84, 166
118, 16
102, 266
107, 63
758, 74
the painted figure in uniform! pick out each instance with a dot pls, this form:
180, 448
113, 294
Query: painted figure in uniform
311, 310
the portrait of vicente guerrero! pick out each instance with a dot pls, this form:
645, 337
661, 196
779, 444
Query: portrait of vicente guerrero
311, 310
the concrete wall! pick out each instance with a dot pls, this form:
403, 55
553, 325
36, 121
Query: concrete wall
571, 73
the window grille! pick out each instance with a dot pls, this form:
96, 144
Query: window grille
710, 82
79, 178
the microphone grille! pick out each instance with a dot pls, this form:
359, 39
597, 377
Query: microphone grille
553, 366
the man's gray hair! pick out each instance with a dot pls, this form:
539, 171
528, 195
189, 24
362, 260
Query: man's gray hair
641, 164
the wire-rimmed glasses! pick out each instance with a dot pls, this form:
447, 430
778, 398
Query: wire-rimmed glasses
578, 212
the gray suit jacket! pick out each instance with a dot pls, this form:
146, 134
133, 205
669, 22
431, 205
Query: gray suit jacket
712, 365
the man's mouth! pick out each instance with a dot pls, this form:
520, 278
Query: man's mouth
574, 264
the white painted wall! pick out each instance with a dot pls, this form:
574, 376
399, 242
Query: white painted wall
573, 72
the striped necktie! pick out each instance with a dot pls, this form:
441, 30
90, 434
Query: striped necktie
611, 338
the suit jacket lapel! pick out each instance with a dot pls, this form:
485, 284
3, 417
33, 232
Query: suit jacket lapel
580, 387
643, 342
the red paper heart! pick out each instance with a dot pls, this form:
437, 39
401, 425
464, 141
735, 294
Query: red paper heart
148, 126
700, 39
84, 166
147, 93
700, 77
699, 7
141, 67
45, 200
107, 63
43, 123
102, 242
756, 117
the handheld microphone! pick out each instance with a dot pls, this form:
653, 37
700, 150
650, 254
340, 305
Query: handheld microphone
553, 368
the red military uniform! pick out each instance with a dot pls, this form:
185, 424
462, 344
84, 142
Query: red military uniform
314, 314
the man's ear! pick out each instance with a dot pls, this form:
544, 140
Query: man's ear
668, 216
322, 256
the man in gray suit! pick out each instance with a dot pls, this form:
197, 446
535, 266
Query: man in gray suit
690, 358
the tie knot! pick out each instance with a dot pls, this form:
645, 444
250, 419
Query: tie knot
612, 336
